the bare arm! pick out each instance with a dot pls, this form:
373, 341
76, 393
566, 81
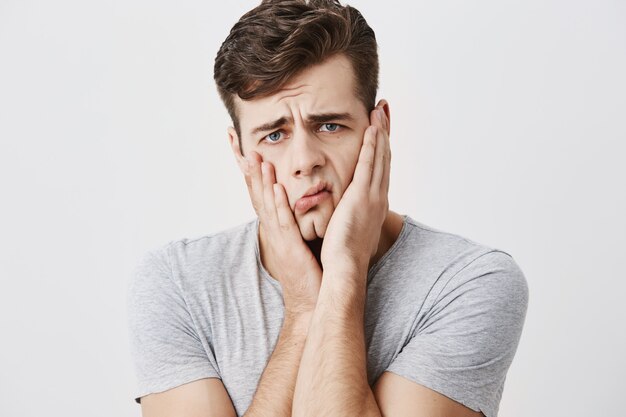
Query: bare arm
273, 397
333, 375
274, 394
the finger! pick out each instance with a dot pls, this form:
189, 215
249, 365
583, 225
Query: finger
380, 155
256, 181
247, 177
384, 119
283, 211
269, 206
365, 163
387, 171
376, 117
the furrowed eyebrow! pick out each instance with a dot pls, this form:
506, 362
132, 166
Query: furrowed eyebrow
271, 125
326, 117
312, 119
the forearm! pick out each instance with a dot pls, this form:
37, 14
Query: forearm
332, 378
274, 393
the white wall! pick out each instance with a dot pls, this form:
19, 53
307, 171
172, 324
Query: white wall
508, 128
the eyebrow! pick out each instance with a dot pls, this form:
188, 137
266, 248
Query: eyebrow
311, 119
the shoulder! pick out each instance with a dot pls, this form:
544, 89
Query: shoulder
438, 250
220, 245
442, 243
469, 303
471, 276
447, 263
188, 259
225, 238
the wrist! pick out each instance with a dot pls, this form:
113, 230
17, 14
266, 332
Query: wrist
344, 289
347, 270
297, 321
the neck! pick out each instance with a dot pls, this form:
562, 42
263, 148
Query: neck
392, 226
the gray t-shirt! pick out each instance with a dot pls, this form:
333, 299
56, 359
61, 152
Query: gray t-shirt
441, 310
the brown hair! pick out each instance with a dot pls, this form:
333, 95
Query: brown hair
279, 38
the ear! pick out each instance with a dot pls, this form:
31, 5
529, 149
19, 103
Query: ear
233, 139
385, 105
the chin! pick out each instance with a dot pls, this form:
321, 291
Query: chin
313, 224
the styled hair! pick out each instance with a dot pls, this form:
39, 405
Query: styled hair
279, 38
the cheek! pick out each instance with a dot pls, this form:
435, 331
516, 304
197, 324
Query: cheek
346, 166
352, 157
280, 173
354, 149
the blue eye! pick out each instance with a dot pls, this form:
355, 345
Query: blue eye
330, 127
274, 136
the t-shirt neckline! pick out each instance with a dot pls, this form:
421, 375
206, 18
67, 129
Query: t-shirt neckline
370, 273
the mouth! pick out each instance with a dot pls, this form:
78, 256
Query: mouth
312, 197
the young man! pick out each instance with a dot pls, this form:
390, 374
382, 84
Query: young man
327, 304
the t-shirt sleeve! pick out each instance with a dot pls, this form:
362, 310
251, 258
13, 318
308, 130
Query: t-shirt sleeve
465, 343
165, 347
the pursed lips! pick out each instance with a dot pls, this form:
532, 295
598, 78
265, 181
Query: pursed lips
313, 196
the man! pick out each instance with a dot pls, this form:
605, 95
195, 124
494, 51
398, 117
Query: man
327, 304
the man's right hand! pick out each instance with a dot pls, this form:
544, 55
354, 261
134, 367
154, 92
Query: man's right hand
283, 252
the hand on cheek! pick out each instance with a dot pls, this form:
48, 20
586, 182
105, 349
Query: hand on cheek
284, 253
353, 232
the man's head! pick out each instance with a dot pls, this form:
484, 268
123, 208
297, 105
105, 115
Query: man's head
298, 79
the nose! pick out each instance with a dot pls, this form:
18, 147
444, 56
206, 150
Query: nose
307, 154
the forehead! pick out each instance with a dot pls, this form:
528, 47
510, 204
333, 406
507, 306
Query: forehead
328, 87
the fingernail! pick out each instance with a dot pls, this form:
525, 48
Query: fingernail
379, 113
264, 167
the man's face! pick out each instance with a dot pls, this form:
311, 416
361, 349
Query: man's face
311, 131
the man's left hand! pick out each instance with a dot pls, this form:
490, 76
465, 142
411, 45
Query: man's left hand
353, 232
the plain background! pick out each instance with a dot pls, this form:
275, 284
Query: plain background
508, 127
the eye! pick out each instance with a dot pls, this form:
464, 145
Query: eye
273, 137
329, 127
